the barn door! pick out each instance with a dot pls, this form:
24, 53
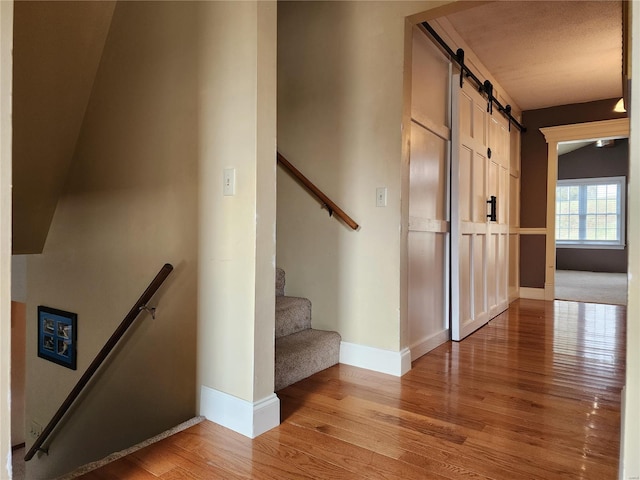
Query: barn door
469, 225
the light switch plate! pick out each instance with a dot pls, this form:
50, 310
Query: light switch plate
229, 182
381, 197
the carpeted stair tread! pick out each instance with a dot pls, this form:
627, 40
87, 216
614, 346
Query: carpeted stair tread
279, 282
293, 314
300, 350
300, 355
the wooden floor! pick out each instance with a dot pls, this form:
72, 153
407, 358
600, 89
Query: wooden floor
535, 394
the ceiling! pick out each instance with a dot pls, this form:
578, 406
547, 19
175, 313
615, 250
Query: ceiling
548, 53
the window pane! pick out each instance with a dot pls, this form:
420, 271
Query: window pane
563, 221
574, 193
562, 194
587, 210
612, 227
574, 222
591, 227
574, 206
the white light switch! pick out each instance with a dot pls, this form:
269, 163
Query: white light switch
381, 197
229, 182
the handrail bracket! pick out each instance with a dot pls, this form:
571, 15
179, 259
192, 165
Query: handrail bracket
329, 209
151, 310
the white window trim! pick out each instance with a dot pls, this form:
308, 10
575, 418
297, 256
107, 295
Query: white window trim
595, 244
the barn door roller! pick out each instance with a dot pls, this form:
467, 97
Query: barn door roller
485, 87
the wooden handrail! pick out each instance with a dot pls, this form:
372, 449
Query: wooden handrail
326, 201
102, 355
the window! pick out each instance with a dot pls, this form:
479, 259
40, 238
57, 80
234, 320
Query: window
590, 213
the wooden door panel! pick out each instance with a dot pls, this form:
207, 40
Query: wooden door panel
428, 174
479, 276
492, 270
479, 186
480, 121
503, 192
430, 71
466, 117
464, 284
503, 268
426, 272
465, 184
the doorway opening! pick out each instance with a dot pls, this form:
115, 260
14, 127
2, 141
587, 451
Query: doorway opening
567, 137
591, 251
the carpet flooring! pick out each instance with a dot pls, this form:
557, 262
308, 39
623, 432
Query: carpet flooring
591, 287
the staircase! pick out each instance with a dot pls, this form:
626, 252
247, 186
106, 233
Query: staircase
300, 350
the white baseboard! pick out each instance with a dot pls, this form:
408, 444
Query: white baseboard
532, 293
376, 359
427, 344
246, 418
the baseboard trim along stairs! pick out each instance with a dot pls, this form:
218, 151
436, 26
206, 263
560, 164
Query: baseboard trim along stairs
123, 453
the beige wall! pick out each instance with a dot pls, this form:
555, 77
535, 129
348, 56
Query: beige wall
129, 206
631, 416
236, 302
340, 112
6, 36
56, 52
18, 344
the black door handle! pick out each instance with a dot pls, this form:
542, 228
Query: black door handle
492, 214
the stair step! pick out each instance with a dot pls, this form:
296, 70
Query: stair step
303, 354
279, 282
293, 314
300, 350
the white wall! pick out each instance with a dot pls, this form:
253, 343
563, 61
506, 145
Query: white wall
340, 112
129, 206
6, 40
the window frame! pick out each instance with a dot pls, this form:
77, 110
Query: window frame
596, 244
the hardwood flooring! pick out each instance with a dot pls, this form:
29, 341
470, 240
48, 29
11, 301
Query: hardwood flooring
535, 394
